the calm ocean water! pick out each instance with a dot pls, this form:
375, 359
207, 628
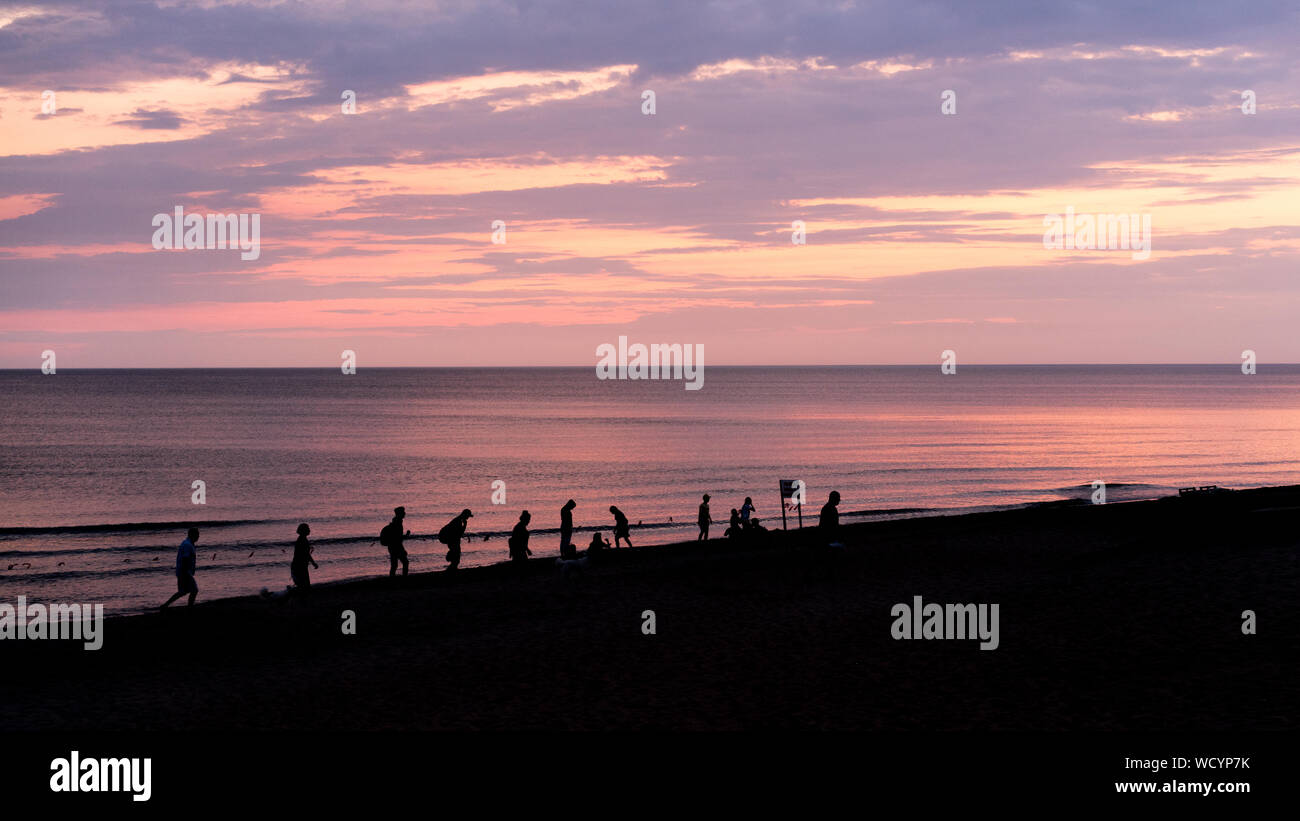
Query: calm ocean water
96, 466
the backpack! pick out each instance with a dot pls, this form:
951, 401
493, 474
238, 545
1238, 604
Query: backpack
387, 536
448, 533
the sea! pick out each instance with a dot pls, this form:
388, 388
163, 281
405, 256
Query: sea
100, 469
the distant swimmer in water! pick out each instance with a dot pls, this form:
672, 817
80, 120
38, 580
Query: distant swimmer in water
301, 558
186, 558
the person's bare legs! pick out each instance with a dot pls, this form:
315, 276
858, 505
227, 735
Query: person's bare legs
193, 595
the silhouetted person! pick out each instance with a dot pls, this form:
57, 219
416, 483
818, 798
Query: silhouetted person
733, 529
745, 510
186, 557
301, 558
567, 550
519, 551
705, 519
829, 524
621, 527
391, 537
451, 534
598, 544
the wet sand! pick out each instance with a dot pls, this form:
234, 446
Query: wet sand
1119, 616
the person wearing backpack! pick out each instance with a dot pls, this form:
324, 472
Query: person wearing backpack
391, 537
451, 534
519, 551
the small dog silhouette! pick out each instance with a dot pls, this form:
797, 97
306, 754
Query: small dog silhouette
571, 568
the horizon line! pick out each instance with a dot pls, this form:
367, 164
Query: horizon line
590, 365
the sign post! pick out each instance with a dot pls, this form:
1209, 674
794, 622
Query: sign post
792, 489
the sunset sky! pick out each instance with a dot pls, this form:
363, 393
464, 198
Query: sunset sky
924, 230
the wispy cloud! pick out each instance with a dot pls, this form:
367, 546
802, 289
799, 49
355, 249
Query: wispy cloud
923, 231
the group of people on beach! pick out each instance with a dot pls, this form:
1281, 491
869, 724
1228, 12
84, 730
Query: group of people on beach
743, 521
393, 535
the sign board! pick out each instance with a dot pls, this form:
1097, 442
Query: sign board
792, 489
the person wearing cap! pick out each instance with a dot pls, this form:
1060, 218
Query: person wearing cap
391, 537
451, 534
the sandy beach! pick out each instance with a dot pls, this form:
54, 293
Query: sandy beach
1119, 616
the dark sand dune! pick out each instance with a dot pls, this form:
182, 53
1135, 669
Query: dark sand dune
1123, 616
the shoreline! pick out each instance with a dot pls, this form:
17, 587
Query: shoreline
422, 547
1117, 616
773, 535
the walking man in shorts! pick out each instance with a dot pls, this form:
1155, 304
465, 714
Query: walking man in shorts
186, 557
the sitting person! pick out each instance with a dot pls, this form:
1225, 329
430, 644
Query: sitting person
733, 531
597, 544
